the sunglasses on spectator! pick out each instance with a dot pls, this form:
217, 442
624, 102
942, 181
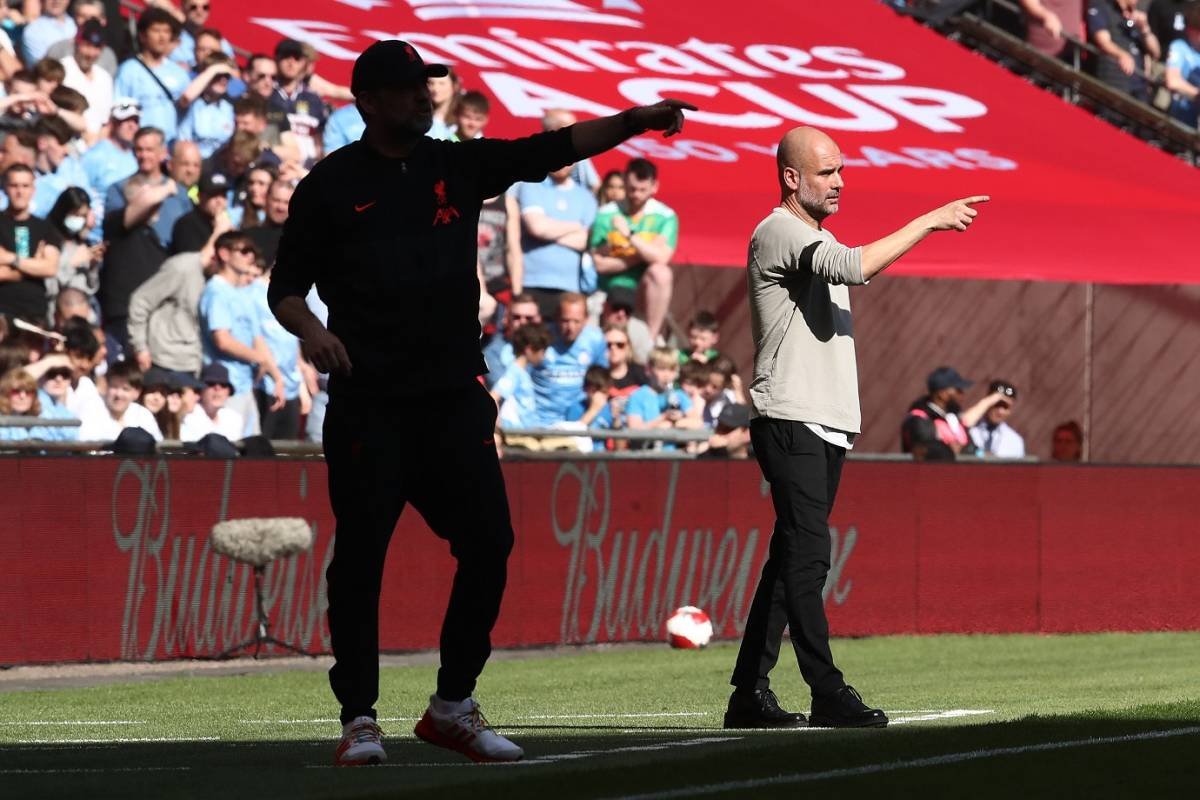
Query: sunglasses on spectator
17, 392
618, 345
58, 373
212, 384
197, 7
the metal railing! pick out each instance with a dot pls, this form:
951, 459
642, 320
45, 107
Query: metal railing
957, 20
36, 422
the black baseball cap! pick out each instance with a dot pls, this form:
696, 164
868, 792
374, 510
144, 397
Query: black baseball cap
946, 378
92, 32
621, 297
1003, 387
392, 63
289, 47
213, 183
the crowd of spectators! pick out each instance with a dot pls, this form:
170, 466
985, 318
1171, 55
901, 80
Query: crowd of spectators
1149, 49
146, 179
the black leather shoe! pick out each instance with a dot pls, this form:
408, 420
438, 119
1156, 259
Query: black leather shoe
845, 709
760, 710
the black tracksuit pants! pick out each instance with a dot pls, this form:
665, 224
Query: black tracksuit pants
437, 453
804, 471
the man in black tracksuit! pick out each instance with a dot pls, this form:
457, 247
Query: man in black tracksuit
387, 230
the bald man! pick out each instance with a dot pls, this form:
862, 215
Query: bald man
805, 418
584, 172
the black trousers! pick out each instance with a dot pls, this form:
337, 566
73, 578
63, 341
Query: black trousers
281, 424
804, 471
380, 456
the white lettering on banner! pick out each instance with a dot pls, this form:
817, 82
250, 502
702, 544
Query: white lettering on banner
323, 36
985, 159
668, 60
936, 115
877, 157
866, 117
547, 54
647, 91
203, 603
862, 107
723, 54
789, 61
586, 50
869, 67
620, 586
552, 10
525, 98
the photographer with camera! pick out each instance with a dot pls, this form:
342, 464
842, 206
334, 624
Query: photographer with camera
992, 436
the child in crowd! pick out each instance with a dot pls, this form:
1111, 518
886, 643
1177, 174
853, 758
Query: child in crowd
704, 331
470, 116
595, 411
660, 405
721, 388
121, 409
514, 391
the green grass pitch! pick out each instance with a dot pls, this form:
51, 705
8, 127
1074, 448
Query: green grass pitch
1107, 715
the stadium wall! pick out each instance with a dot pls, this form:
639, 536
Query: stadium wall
1111, 357
108, 559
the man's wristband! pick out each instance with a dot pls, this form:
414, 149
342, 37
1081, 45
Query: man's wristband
631, 126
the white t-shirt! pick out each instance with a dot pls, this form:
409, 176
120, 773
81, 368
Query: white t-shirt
99, 425
97, 88
198, 424
85, 399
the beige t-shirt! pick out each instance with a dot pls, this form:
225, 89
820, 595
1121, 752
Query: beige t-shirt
804, 362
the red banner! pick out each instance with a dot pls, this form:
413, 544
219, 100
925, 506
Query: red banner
106, 559
920, 120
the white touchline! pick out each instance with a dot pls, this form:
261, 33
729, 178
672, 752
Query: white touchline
77, 770
616, 716
524, 716
116, 740
891, 766
320, 721
78, 722
928, 716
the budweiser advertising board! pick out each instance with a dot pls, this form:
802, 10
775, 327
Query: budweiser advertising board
105, 559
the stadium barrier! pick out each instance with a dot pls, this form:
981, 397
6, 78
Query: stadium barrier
108, 559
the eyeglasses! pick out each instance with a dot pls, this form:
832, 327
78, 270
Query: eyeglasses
524, 317
259, 76
618, 345
58, 374
197, 7
17, 392
213, 385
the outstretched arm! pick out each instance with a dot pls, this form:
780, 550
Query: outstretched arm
594, 136
957, 216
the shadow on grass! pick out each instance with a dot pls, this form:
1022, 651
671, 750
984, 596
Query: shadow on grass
1145, 752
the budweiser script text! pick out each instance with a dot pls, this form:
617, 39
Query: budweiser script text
621, 585
182, 599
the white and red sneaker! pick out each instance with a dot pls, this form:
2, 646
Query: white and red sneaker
462, 728
361, 744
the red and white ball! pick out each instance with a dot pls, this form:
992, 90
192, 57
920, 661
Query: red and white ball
689, 628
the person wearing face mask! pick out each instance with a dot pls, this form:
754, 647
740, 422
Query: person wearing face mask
943, 407
78, 261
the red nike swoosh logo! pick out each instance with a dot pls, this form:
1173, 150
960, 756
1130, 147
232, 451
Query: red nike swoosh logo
363, 207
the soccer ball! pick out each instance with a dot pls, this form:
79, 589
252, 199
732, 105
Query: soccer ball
689, 628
